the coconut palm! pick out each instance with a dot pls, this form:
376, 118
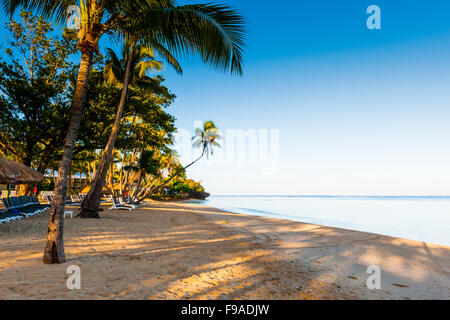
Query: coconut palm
147, 165
213, 31
132, 69
143, 61
168, 162
205, 138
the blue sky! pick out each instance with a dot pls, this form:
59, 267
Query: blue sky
358, 111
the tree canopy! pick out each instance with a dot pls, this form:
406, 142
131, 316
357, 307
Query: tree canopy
36, 90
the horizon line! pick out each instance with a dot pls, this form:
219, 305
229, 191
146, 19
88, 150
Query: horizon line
322, 195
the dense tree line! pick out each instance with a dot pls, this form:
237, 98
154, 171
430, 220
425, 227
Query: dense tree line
108, 101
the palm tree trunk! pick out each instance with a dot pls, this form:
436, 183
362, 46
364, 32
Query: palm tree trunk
128, 175
146, 188
89, 171
69, 182
121, 173
111, 176
54, 246
91, 205
138, 186
94, 170
153, 190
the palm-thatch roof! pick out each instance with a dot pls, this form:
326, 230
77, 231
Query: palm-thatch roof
106, 190
12, 172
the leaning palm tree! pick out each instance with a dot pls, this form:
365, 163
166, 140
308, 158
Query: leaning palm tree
138, 60
205, 138
147, 165
169, 162
215, 32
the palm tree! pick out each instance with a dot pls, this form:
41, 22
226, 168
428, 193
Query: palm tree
135, 70
137, 61
147, 165
167, 162
143, 61
206, 138
215, 32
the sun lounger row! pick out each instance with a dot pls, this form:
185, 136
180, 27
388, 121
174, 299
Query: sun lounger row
71, 200
76, 199
45, 194
18, 207
124, 204
12, 193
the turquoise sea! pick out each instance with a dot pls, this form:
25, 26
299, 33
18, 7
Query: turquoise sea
418, 218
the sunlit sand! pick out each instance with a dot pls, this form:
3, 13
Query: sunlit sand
186, 251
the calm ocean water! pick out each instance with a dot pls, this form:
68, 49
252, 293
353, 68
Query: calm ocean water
418, 218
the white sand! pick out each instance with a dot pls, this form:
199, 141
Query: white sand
186, 251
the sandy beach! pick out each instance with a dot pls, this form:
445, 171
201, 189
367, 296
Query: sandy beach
189, 251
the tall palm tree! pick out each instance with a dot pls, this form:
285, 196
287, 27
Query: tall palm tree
136, 71
215, 32
224, 27
143, 61
206, 138
132, 69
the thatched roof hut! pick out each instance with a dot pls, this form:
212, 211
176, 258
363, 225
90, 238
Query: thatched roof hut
106, 190
12, 172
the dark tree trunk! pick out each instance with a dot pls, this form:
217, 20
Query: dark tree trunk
89, 172
54, 246
111, 176
69, 182
91, 205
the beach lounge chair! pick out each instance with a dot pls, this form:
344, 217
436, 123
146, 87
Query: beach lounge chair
72, 200
24, 206
4, 216
12, 213
31, 204
130, 202
118, 206
122, 201
13, 205
138, 204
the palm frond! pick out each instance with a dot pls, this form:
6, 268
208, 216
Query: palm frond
168, 57
215, 32
46, 8
113, 71
142, 67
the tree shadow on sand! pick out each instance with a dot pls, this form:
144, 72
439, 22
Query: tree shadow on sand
178, 251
